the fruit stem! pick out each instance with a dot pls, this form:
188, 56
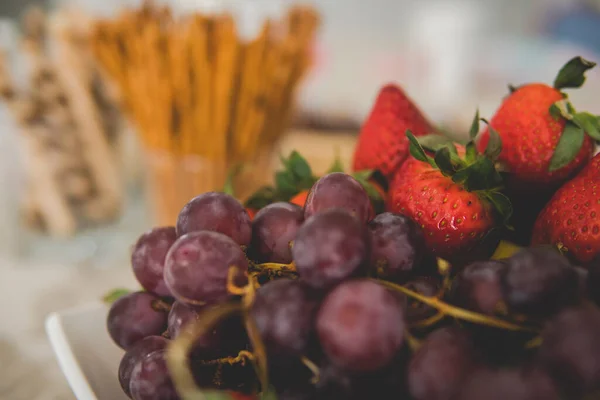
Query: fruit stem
313, 368
259, 359
291, 267
231, 286
413, 342
160, 305
429, 321
242, 357
456, 312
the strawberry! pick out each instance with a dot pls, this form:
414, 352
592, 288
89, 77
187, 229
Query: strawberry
455, 197
544, 138
382, 144
251, 212
545, 143
571, 220
300, 198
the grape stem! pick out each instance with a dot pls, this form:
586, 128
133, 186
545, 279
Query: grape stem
247, 292
313, 368
242, 357
428, 321
456, 312
276, 267
413, 342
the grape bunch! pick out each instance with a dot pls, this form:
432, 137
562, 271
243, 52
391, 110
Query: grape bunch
339, 303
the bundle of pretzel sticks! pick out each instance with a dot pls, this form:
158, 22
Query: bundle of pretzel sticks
202, 98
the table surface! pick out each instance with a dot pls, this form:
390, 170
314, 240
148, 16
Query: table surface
35, 288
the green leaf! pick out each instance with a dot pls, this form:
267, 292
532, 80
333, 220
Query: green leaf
115, 295
337, 166
589, 123
494, 146
572, 74
555, 111
471, 152
362, 175
284, 181
568, 146
417, 151
269, 394
481, 175
444, 161
299, 166
262, 198
501, 203
474, 126
512, 88
433, 142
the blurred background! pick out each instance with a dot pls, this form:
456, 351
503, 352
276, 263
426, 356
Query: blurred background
98, 143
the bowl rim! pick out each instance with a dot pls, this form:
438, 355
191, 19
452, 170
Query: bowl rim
64, 353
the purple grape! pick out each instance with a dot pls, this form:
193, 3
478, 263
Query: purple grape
284, 311
338, 190
439, 367
593, 280
570, 349
330, 246
538, 281
215, 211
477, 287
360, 326
273, 229
150, 379
136, 316
227, 338
198, 264
135, 354
508, 384
426, 286
397, 247
148, 259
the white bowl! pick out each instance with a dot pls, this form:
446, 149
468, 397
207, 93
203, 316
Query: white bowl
86, 354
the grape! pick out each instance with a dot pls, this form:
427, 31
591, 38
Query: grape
477, 287
338, 190
215, 211
505, 384
150, 379
538, 281
439, 367
426, 286
284, 311
148, 259
397, 247
227, 338
330, 247
135, 354
273, 229
135, 316
570, 349
360, 326
593, 280
198, 264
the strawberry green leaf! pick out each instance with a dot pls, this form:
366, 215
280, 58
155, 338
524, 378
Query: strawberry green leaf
115, 295
474, 126
512, 88
568, 146
444, 161
494, 146
263, 197
362, 175
555, 111
417, 151
285, 182
299, 166
228, 187
589, 123
337, 164
572, 74
433, 142
481, 175
501, 203
471, 152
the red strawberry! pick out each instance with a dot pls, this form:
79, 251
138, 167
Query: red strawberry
571, 220
382, 144
544, 143
300, 198
454, 197
540, 146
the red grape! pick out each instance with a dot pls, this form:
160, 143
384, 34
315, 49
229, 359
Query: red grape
338, 190
538, 281
198, 264
508, 384
150, 379
227, 338
360, 326
215, 211
136, 353
593, 280
426, 286
570, 349
477, 287
330, 247
148, 259
397, 247
284, 311
441, 364
273, 229
135, 316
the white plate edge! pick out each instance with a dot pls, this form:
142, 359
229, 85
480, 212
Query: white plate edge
66, 359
